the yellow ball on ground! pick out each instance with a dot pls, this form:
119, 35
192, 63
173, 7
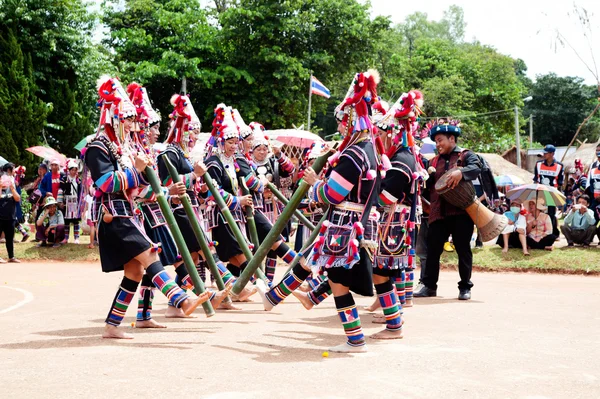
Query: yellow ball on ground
325, 354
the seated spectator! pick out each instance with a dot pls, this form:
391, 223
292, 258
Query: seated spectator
580, 225
50, 226
514, 234
539, 226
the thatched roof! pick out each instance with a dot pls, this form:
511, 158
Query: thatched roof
585, 152
501, 166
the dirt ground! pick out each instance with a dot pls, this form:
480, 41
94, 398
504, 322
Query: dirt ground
522, 336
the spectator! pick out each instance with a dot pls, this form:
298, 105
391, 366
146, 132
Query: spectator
50, 183
515, 233
593, 187
550, 172
539, 226
19, 175
50, 225
36, 199
580, 225
89, 203
8, 200
68, 200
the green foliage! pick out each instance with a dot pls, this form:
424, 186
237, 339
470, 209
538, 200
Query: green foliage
56, 35
22, 113
559, 106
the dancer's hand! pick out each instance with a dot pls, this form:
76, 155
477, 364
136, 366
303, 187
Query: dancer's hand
140, 162
310, 176
276, 151
177, 189
246, 200
199, 169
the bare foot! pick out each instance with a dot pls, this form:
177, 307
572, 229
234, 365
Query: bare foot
408, 303
345, 348
246, 293
176, 313
304, 288
220, 296
188, 306
115, 332
376, 305
387, 334
304, 299
148, 324
91, 246
549, 248
504, 250
262, 291
525, 253
228, 305
378, 319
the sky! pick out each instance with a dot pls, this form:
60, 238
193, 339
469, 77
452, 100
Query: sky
523, 29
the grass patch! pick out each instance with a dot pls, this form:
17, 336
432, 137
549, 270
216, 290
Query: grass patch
574, 260
66, 253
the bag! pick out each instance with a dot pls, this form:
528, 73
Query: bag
35, 197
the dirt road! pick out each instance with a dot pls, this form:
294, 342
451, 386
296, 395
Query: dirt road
522, 336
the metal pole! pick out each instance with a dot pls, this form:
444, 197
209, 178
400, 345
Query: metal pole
518, 139
284, 200
531, 129
278, 227
309, 100
187, 206
177, 237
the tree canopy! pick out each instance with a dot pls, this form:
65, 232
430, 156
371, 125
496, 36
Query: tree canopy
258, 55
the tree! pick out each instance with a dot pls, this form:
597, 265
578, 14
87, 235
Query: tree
56, 35
22, 113
559, 105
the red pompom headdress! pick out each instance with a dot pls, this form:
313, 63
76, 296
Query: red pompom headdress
115, 107
183, 118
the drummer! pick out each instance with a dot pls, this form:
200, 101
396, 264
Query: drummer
444, 218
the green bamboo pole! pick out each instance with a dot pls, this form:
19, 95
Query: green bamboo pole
235, 229
179, 241
311, 238
187, 206
285, 201
278, 227
250, 220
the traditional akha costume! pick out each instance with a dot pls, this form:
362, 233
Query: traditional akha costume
152, 217
183, 121
69, 196
225, 171
400, 198
273, 169
346, 244
121, 236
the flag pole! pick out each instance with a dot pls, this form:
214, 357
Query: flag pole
309, 100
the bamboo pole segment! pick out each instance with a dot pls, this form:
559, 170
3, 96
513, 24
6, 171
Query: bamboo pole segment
178, 238
285, 201
235, 229
311, 238
250, 219
187, 206
278, 227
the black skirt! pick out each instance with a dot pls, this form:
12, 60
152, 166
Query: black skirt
263, 225
120, 241
186, 230
228, 246
359, 278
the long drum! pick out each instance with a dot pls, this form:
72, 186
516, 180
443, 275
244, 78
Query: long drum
463, 196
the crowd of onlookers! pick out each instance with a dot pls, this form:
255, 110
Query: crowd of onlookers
56, 202
59, 200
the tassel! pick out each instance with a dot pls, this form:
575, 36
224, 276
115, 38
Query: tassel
371, 174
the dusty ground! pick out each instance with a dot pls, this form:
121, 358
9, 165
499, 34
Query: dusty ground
522, 336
